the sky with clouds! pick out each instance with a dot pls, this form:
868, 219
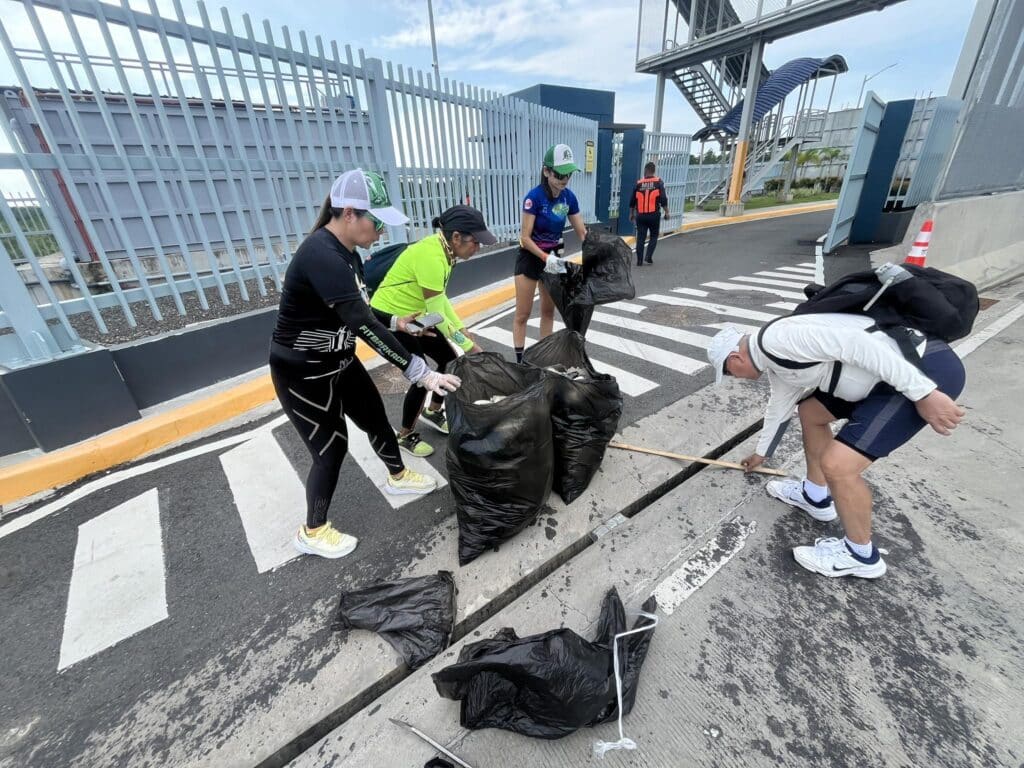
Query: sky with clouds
507, 45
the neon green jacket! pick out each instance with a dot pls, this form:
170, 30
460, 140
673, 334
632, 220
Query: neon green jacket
422, 266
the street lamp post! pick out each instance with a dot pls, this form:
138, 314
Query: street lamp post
433, 42
871, 77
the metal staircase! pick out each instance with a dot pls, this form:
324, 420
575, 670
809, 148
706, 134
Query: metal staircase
702, 92
702, 86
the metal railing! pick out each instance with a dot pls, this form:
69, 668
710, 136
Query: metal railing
165, 159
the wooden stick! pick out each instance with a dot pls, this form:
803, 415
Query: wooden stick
700, 459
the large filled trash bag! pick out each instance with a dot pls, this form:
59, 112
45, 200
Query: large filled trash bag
416, 616
585, 410
500, 455
604, 277
551, 684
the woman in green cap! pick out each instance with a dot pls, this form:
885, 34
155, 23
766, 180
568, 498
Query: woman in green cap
313, 364
415, 286
545, 210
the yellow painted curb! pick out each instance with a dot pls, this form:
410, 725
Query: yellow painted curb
129, 442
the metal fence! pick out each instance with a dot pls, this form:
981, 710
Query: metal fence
164, 158
670, 152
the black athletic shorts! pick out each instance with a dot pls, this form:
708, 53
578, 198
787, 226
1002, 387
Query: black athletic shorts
885, 419
528, 264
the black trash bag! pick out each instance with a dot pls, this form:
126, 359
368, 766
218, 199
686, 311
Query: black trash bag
548, 685
607, 265
584, 414
604, 277
416, 616
563, 290
500, 455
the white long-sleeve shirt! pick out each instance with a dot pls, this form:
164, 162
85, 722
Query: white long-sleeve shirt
827, 339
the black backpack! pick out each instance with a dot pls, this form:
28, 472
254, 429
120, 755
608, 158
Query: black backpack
375, 269
933, 303
936, 303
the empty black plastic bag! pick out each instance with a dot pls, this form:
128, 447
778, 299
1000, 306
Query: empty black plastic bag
416, 615
585, 410
500, 455
552, 684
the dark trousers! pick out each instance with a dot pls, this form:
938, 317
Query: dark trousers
437, 349
317, 391
647, 224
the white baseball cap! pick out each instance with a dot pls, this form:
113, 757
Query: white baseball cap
723, 344
366, 191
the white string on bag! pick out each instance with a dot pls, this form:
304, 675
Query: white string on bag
601, 747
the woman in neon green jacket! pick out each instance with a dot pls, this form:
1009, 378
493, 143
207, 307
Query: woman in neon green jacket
415, 285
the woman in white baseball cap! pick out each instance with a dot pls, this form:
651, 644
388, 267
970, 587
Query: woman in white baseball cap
313, 364
545, 210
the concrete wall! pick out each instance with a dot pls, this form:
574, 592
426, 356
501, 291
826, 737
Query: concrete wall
978, 238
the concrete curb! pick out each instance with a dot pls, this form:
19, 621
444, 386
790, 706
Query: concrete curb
135, 440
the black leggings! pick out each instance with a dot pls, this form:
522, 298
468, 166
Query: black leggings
318, 391
438, 349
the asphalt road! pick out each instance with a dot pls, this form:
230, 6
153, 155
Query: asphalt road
66, 702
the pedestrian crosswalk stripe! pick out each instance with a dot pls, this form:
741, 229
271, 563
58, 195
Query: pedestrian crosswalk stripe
269, 497
796, 285
754, 288
691, 292
636, 349
656, 331
751, 329
792, 277
809, 264
789, 306
625, 306
359, 448
117, 583
719, 309
629, 383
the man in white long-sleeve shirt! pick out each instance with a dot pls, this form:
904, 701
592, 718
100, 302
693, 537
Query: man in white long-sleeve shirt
840, 366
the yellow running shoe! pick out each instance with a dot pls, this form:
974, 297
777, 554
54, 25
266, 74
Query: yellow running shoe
325, 541
410, 482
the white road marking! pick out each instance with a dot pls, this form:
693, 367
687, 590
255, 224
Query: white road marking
655, 330
359, 448
630, 383
786, 305
754, 288
269, 496
691, 292
720, 309
636, 349
117, 585
703, 564
794, 284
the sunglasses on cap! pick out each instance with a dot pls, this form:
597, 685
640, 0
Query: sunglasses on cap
378, 225
560, 176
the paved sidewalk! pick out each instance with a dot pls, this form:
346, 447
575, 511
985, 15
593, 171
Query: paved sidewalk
767, 664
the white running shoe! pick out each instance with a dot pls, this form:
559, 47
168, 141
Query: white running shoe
791, 491
325, 541
831, 557
410, 482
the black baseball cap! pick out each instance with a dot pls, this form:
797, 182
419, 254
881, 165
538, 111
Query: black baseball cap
465, 218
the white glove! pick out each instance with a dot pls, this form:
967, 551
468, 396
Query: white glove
439, 383
555, 266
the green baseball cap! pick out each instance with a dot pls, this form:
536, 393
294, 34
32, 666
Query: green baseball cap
559, 158
366, 191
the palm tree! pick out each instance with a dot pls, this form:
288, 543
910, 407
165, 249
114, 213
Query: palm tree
829, 156
805, 157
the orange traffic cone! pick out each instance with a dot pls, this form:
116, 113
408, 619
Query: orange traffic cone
919, 250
